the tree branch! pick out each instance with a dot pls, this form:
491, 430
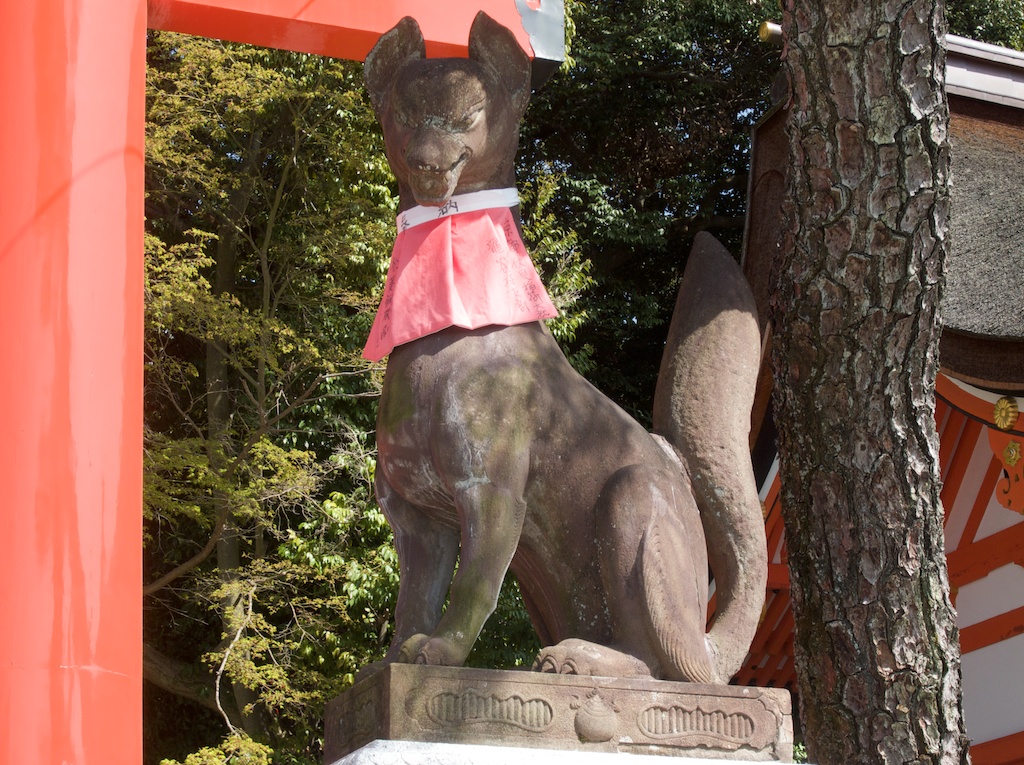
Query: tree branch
181, 678
191, 563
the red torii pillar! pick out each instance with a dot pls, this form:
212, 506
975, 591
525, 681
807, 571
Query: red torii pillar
72, 77
72, 87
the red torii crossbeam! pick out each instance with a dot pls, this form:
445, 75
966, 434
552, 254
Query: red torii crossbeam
72, 89
349, 28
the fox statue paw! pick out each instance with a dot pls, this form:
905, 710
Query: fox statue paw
424, 649
581, 657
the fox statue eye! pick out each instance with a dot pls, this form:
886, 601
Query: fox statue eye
468, 122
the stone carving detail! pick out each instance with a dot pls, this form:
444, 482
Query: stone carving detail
596, 720
417, 702
676, 722
474, 707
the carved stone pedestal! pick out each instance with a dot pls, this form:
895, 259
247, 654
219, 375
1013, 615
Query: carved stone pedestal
448, 705
416, 753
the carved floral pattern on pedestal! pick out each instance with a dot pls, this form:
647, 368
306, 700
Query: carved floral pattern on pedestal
596, 719
472, 706
710, 728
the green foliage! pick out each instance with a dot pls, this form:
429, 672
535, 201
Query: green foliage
999, 22
507, 640
555, 252
235, 749
269, 223
647, 132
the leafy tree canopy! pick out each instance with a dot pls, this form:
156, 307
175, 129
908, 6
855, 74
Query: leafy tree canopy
650, 127
269, 571
998, 22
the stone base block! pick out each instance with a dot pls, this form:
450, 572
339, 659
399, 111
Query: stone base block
452, 705
417, 753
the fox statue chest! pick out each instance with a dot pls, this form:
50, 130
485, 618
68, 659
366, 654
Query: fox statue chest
450, 403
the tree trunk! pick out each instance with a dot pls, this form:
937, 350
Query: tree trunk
856, 355
220, 406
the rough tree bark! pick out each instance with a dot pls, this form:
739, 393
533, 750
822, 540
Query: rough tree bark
856, 355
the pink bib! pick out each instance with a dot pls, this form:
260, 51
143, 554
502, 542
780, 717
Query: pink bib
468, 270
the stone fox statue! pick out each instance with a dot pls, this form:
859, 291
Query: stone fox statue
494, 453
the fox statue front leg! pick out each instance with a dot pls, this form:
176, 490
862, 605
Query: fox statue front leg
427, 552
484, 557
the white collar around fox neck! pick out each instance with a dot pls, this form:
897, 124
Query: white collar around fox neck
460, 203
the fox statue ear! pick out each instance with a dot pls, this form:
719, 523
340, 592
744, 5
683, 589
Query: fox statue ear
495, 46
396, 47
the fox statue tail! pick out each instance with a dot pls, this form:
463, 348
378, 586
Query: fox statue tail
702, 406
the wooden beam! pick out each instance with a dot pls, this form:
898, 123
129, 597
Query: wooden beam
953, 473
776, 609
980, 506
992, 631
778, 576
774, 526
950, 436
941, 410
72, 75
335, 27
1008, 750
975, 561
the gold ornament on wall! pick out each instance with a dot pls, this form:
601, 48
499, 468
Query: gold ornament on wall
1005, 414
1011, 454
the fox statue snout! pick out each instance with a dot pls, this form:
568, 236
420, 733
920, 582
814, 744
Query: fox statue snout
435, 159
